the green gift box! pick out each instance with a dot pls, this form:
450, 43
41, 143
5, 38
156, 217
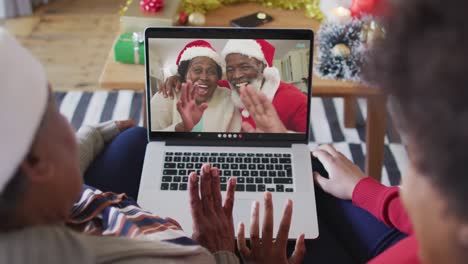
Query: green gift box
130, 48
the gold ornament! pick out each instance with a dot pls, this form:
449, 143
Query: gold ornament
196, 19
341, 50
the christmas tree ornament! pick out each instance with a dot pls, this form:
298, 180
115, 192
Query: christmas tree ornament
361, 7
376, 8
340, 50
327, 7
151, 6
196, 19
340, 15
181, 19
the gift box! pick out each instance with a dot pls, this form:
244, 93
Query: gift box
129, 48
133, 19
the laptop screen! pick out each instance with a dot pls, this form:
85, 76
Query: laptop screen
229, 84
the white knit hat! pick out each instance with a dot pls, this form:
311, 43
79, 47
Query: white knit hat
23, 99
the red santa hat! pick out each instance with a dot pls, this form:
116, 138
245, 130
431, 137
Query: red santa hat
23, 100
197, 48
261, 50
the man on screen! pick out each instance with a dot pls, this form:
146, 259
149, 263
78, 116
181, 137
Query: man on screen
250, 63
265, 102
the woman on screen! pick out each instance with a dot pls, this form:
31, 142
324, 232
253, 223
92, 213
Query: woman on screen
201, 105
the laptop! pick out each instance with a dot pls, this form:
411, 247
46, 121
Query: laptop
262, 160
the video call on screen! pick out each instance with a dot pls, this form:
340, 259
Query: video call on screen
196, 87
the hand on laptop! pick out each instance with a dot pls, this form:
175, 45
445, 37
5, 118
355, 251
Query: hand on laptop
343, 174
213, 226
171, 86
266, 249
189, 111
262, 111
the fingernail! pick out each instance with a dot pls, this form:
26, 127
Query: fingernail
193, 177
206, 168
233, 179
301, 237
254, 205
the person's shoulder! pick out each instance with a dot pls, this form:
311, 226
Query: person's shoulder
159, 99
289, 88
44, 244
286, 90
130, 250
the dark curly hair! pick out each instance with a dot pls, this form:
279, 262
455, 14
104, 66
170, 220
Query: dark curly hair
422, 65
184, 65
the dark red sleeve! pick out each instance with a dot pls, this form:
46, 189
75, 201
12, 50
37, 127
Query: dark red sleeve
383, 202
291, 105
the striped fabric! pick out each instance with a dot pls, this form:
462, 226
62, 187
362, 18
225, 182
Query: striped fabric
327, 124
110, 214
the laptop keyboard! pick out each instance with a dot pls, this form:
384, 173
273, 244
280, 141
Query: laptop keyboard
255, 172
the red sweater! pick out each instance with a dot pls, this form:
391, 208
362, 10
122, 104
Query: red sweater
385, 204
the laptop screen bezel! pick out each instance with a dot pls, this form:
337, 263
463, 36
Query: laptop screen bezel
211, 138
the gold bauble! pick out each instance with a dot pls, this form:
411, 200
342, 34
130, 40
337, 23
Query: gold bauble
341, 50
196, 19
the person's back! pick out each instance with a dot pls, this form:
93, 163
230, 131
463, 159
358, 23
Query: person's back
421, 65
41, 166
55, 244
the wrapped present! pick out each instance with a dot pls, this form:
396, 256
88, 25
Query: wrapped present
129, 48
134, 19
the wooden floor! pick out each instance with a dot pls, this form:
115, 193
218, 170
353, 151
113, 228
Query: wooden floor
72, 38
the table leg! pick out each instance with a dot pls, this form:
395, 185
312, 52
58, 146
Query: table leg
375, 128
350, 104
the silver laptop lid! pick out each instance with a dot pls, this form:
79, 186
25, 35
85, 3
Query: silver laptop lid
274, 63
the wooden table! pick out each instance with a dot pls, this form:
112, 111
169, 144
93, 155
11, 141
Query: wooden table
117, 76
